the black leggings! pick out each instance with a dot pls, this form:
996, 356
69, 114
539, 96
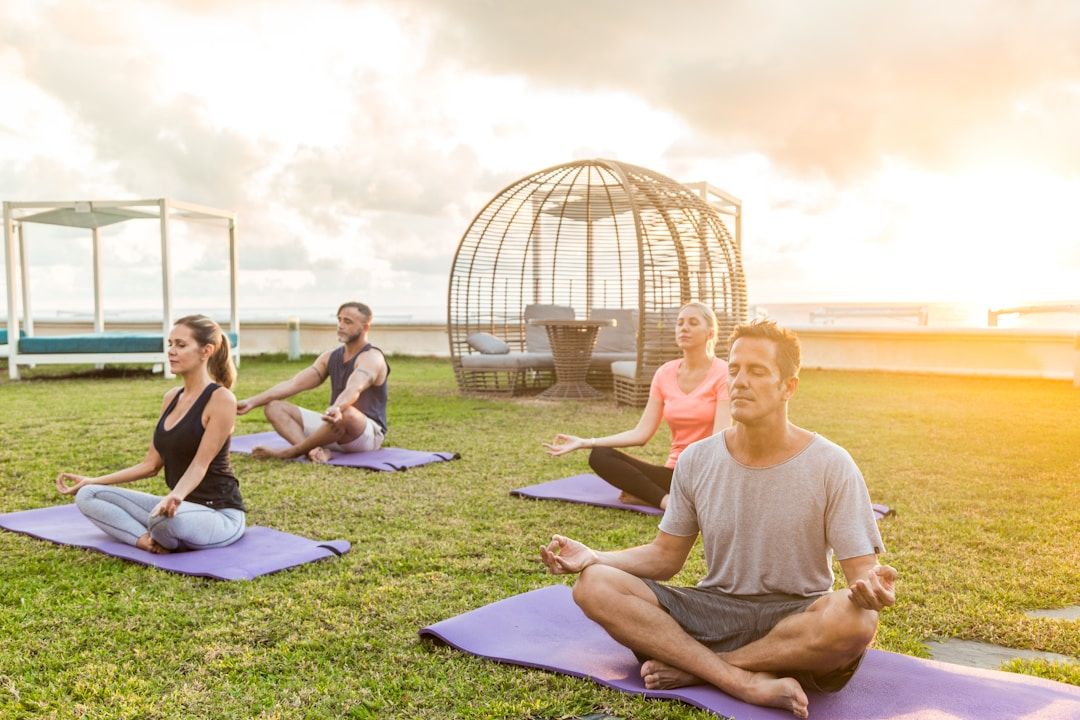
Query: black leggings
640, 479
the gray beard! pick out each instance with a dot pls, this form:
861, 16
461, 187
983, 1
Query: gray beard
353, 338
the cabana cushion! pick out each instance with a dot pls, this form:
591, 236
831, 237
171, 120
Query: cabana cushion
608, 358
624, 368
487, 344
509, 361
536, 338
3, 335
110, 342
622, 338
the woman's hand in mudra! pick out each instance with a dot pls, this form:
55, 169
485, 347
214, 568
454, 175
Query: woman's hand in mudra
77, 481
563, 444
167, 507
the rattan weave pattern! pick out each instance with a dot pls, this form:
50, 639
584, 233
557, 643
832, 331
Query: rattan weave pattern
591, 234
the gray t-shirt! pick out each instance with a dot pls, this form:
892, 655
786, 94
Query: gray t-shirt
774, 529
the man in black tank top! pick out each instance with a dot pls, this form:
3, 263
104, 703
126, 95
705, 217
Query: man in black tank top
355, 421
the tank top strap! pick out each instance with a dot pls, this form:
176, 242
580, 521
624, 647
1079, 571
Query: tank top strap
336, 357
203, 398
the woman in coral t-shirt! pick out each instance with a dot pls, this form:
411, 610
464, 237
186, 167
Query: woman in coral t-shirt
690, 394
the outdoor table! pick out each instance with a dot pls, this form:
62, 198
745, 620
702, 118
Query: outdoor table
572, 344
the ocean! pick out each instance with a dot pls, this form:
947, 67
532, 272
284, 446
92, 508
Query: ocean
848, 314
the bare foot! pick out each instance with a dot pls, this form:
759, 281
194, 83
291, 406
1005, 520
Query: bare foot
319, 455
265, 452
147, 543
785, 693
628, 499
758, 688
661, 676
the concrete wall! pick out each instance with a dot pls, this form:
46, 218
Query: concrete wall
1001, 352
398, 339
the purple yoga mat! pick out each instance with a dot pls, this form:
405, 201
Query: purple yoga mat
261, 551
545, 629
590, 489
387, 458
585, 489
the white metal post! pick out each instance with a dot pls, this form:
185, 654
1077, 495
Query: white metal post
234, 315
24, 274
166, 287
99, 308
13, 316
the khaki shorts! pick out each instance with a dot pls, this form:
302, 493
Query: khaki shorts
370, 439
723, 622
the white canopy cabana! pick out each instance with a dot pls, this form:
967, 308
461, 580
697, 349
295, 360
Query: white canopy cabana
93, 215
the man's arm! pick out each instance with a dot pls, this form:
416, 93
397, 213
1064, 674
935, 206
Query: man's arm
659, 560
872, 586
310, 377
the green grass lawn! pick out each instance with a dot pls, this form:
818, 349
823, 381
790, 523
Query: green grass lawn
982, 472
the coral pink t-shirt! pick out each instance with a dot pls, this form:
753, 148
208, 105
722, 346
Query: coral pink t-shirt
690, 416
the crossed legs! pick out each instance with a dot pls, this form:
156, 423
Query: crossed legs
287, 419
641, 483
830, 634
125, 515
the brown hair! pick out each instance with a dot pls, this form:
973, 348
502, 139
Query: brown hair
208, 332
788, 352
710, 319
359, 307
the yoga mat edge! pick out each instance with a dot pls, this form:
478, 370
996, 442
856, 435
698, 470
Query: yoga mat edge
543, 629
263, 550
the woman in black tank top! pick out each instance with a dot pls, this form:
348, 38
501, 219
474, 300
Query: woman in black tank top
203, 508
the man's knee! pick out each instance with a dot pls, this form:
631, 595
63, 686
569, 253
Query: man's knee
277, 410
599, 588
352, 424
844, 628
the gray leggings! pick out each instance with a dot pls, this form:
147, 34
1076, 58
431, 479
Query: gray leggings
125, 515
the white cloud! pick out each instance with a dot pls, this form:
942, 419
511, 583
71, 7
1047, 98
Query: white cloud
357, 140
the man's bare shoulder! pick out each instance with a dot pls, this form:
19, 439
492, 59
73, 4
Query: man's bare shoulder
373, 364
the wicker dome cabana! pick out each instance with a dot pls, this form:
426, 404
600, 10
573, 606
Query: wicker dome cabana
591, 239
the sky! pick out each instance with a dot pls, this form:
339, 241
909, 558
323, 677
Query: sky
884, 152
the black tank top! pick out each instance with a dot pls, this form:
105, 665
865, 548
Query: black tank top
177, 446
372, 402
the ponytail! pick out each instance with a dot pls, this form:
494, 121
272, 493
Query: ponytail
208, 332
220, 364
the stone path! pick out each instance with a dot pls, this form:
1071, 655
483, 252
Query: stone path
988, 656
1066, 613
985, 655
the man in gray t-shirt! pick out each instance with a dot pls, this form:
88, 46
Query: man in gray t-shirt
773, 504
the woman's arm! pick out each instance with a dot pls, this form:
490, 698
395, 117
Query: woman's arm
218, 420
149, 467
639, 435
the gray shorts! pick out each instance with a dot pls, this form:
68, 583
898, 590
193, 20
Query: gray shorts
723, 622
370, 439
